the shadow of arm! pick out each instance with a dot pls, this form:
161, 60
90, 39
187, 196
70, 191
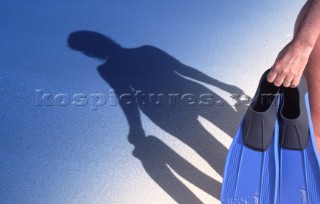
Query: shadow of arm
199, 76
127, 101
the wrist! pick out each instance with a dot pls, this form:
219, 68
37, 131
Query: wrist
302, 46
136, 128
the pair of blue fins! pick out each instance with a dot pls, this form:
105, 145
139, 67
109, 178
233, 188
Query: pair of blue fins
273, 157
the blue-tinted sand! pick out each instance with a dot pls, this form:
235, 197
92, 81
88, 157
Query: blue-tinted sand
53, 151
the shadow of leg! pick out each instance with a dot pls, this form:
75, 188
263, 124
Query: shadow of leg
157, 159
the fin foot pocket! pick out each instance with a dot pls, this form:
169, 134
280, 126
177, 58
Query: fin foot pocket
259, 120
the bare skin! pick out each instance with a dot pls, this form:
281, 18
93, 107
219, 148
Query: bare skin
302, 56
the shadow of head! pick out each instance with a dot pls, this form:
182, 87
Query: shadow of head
92, 44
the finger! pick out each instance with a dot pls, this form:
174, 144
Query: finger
295, 81
271, 76
279, 80
288, 81
286, 84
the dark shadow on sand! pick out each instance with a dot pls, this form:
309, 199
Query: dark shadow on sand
149, 80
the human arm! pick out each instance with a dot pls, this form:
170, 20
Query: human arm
199, 76
130, 108
292, 60
127, 101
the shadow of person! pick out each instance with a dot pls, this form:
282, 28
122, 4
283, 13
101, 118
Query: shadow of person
168, 92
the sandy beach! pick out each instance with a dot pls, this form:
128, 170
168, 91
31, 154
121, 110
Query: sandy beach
64, 137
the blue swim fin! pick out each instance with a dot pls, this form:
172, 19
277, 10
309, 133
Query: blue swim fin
299, 180
251, 171
250, 176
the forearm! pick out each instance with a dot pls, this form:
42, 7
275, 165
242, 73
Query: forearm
131, 111
199, 76
132, 114
309, 29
